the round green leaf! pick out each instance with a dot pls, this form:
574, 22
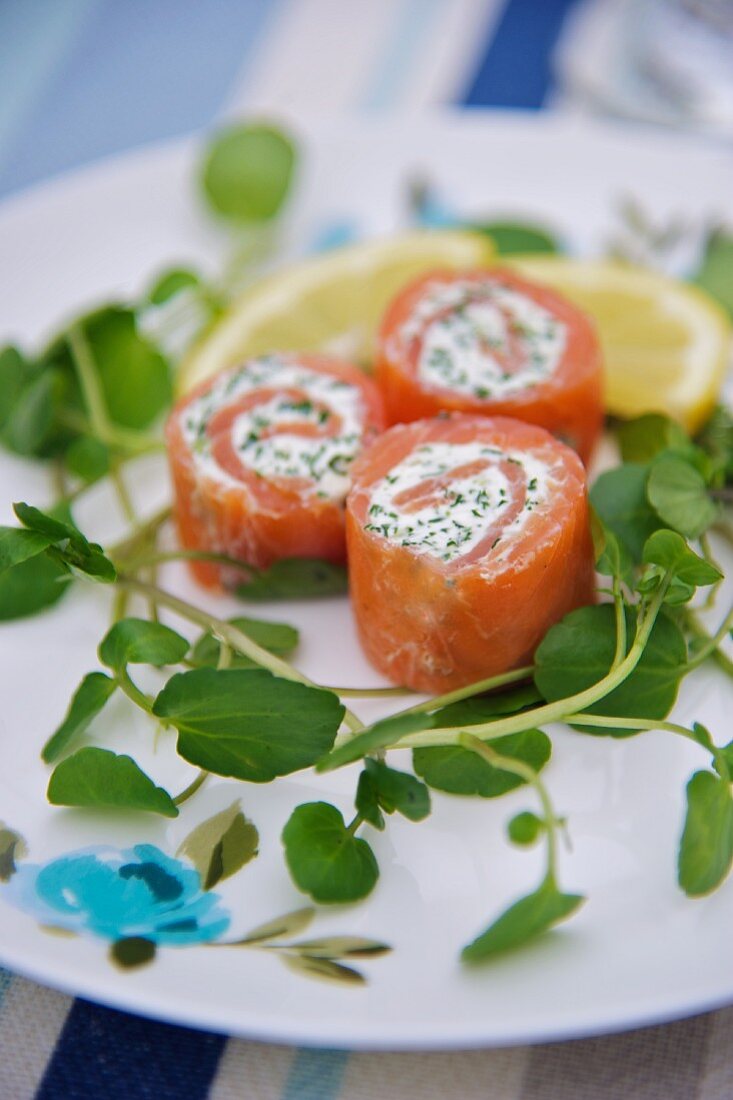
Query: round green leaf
325, 860
88, 458
99, 779
671, 553
247, 723
170, 283
514, 238
644, 437
619, 497
277, 638
524, 828
248, 171
456, 770
141, 642
32, 586
679, 496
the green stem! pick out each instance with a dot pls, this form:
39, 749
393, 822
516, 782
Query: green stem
119, 551
227, 633
99, 422
362, 693
609, 721
151, 575
119, 605
477, 688
133, 692
713, 641
59, 480
354, 824
529, 775
707, 553
124, 497
650, 724
91, 390
618, 601
191, 789
551, 712
725, 530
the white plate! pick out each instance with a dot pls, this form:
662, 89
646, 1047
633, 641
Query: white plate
639, 951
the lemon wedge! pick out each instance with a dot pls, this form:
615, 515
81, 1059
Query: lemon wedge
330, 303
666, 344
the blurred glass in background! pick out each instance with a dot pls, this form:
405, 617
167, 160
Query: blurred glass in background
663, 61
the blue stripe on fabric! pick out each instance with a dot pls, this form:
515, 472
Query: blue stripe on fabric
515, 69
5, 979
315, 1075
407, 39
138, 72
109, 1054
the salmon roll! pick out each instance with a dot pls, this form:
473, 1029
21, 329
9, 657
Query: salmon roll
492, 343
261, 455
468, 538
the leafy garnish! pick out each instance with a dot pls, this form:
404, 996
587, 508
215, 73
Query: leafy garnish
619, 497
706, 847
525, 828
96, 398
668, 554
170, 283
243, 722
375, 737
679, 495
66, 544
515, 238
716, 271
324, 857
523, 921
274, 637
32, 586
456, 770
580, 651
384, 788
99, 778
132, 374
87, 702
17, 545
643, 438
248, 172
295, 579
141, 642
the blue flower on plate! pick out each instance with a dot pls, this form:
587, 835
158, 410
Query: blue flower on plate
137, 892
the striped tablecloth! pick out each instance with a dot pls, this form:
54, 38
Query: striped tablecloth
80, 79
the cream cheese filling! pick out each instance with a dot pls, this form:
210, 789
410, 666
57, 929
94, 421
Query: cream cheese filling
260, 434
483, 340
461, 508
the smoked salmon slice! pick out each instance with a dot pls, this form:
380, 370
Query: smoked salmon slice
493, 343
260, 458
468, 537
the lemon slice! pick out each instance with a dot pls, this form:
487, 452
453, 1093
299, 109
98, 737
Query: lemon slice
331, 303
666, 344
